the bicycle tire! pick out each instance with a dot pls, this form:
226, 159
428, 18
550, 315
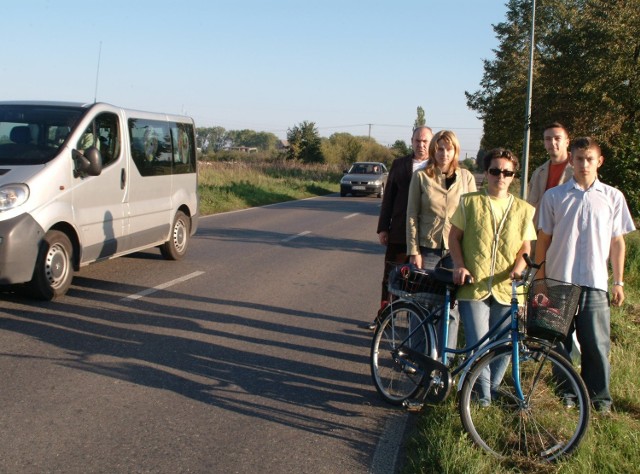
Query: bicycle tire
396, 378
546, 428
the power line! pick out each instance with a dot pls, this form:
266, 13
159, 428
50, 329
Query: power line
395, 125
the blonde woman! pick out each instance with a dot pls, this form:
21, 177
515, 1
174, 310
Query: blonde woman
434, 194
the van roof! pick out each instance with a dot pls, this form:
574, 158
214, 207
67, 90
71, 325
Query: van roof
46, 102
88, 105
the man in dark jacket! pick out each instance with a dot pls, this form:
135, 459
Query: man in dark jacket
392, 223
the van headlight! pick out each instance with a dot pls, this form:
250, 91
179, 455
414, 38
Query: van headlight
13, 195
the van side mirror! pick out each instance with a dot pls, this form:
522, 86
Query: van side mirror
89, 163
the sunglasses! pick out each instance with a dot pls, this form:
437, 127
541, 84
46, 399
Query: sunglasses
498, 172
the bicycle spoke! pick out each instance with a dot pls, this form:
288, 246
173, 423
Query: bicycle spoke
541, 426
395, 376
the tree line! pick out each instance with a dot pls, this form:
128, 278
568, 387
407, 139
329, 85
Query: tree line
303, 144
586, 75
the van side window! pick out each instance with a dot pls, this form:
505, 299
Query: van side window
103, 133
183, 148
162, 148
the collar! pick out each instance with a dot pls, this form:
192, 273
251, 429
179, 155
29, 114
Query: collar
595, 186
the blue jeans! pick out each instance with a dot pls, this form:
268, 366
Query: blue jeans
477, 318
429, 259
593, 327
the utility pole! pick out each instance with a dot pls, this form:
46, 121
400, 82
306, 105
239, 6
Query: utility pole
370, 130
527, 115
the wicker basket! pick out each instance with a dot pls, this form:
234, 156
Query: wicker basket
551, 307
408, 281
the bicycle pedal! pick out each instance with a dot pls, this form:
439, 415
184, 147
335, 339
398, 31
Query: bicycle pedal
413, 405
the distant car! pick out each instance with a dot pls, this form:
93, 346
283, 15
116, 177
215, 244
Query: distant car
364, 178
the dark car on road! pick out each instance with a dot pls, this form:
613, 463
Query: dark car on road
363, 178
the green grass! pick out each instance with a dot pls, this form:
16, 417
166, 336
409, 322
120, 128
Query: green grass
227, 186
612, 445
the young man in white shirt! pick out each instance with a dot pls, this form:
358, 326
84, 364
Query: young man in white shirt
601, 217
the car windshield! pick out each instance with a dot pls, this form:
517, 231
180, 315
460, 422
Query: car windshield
32, 134
364, 168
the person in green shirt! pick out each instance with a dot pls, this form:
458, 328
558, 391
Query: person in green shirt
490, 232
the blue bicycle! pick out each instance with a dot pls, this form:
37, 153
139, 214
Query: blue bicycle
540, 408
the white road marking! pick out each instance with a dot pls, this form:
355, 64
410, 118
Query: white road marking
162, 286
351, 215
290, 238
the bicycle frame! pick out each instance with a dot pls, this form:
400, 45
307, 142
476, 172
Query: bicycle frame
496, 337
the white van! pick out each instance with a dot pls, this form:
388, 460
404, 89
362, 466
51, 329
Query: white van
81, 183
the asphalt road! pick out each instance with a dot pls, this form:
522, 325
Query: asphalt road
246, 356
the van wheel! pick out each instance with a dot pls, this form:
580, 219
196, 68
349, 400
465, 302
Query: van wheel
176, 247
53, 272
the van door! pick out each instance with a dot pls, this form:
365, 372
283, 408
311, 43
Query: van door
99, 202
150, 203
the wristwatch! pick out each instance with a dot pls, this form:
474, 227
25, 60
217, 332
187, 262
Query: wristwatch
618, 283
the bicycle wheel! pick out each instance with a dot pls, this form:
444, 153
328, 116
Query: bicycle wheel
395, 376
548, 424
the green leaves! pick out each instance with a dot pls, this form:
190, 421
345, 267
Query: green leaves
586, 76
304, 143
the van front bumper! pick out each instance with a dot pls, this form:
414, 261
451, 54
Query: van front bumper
19, 241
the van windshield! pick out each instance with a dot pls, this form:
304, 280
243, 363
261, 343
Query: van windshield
33, 134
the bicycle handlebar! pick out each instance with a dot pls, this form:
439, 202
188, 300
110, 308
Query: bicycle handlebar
530, 265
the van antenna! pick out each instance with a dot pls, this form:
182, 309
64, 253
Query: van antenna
95, 96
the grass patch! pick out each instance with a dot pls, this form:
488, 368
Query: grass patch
227, 186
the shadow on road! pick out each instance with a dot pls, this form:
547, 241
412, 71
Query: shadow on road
207, 356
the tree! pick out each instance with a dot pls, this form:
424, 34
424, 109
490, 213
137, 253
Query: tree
586, 75
373, 151
304, 143
212, 139
469, 163
262, 140
400, 148
345, 149
420, 119
348, 147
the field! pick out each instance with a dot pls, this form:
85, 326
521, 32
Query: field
226, 186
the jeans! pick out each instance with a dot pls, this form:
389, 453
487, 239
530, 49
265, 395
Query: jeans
477, 318
593, 327
430, 258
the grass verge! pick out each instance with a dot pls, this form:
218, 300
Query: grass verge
227, 186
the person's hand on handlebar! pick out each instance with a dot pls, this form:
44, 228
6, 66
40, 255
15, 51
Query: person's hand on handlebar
416, 260
461, 276
515, 275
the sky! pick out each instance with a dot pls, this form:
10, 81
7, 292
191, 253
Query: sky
355, 66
